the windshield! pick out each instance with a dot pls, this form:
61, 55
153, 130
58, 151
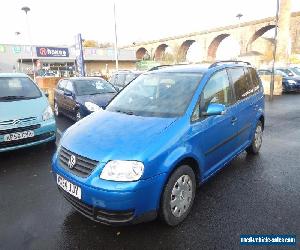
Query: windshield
93, 87
18, 88
296, 71
287, 72
157, 94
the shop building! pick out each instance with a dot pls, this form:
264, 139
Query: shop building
61, 60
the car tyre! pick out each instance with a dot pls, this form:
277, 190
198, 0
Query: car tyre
56, 109
257, 140
178, 196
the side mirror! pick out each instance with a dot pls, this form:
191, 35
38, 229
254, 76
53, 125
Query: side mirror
46, 94
68, 93
290, 74
214, 109
117, 88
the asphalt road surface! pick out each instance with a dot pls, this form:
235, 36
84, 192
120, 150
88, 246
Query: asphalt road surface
253, 195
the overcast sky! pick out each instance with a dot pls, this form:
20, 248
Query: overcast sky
56, 22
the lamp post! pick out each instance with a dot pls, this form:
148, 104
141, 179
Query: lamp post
239, 16
274, 51
26, 10
116, 40
17, 33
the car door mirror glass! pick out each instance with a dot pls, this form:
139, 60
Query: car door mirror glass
215, 109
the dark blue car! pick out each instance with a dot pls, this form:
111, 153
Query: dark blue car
290, 81
78, 97
165, 133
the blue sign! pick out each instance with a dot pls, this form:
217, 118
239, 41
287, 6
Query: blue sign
52, 52
79, 55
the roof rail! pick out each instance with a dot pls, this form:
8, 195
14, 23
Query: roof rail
228, 61
158, 67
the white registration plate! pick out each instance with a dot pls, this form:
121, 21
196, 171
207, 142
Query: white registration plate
19, 135
68, 186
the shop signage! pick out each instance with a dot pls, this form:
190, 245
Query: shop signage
52, 52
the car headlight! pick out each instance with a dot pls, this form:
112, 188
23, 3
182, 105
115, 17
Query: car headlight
122, 171
291, 82
92, 106
48, 114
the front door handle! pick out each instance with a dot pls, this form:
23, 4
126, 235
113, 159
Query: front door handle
233, 120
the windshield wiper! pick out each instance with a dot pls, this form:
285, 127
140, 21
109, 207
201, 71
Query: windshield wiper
124, 112
13, 97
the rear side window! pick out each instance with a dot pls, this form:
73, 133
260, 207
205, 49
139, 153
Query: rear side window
113, 79
69, 86
254, 78
241, 84
120, 81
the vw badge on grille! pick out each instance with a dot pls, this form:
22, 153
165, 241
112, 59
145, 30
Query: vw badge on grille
72, 162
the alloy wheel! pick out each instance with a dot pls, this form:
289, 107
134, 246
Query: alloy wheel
258, 137
181, 196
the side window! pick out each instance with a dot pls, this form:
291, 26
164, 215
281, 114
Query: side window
120, 78
62, 84
69, 86
255, 79
216, 90
242, 88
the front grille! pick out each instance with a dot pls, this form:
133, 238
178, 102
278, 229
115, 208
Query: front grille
83, 166
18, 121
6, 144
21, 129
97, 214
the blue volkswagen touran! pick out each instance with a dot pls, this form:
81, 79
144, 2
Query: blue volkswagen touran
165, 133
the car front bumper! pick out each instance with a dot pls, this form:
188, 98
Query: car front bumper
45, 133
291, 88
113, 203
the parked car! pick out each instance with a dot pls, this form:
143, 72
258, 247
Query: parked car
121, 78
289, 83
290, 71
167, 132
26, 119
295, 70
78, 97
